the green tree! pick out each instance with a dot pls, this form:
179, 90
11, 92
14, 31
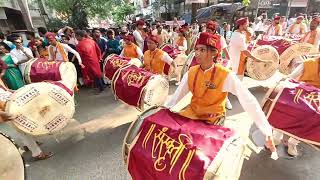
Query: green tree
76, 12
246, 3
121, 13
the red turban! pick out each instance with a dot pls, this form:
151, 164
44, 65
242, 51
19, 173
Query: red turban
128, 38
140, 23
207, 39
277, 18
212, 25
242, 21
154, 39
50, 35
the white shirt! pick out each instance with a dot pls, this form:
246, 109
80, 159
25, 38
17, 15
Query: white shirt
297, 28
166, 58
272, 31
66, 49
237, 44
138, 50
18, 55
164, 36
138, 38
233, 85
258, 27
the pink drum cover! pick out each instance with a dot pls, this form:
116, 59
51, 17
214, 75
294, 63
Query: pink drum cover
113, 64
128, 86
297, 112
173, 147
42, 70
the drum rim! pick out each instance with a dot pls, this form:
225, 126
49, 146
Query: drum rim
126, 137
283, 62
23, 160
254, 51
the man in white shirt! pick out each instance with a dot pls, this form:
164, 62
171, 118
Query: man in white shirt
162, 34
258, 26
298, 27
20, 55
138, 34
59, 51
238, 47
209, 84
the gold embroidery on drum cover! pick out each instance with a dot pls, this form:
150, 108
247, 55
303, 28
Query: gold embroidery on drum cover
26, 123
118, 63
59, 97
47, 65
135, 79
27, 97
311, 99
163, 146
52, 125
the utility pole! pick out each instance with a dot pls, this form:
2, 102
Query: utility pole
23, 4
289, 7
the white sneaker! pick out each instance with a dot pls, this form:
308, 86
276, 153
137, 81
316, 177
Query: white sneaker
228, 105
292, 150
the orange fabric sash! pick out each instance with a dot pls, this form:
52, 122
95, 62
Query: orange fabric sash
61, 51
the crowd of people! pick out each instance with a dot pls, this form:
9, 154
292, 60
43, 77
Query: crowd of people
87, 49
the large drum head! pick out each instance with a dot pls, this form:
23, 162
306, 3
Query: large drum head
134, 130
68, 74
41, 108
12, 165
287, 57
262, 70
155, 93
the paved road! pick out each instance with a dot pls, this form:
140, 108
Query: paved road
95, 153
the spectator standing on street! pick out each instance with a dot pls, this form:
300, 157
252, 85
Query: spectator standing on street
91, 56
101, 41
138, 34
113, 45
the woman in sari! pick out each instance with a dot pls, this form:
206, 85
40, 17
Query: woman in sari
12, 75
38, 50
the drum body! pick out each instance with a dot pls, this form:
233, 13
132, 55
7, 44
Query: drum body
41, 108
293, 108
12, 164
164, 145
140, 88
113, 62
262, 70
39, 70
287, 63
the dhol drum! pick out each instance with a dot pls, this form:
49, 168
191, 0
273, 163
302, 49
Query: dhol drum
164, 145
113, 62
178, 57
262, 70
12, 164
140, 88
293, 108
40, 69
41, 108
288, 56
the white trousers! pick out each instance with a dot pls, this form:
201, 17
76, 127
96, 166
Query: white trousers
28, 141
279, 135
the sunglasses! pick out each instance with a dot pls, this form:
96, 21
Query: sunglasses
17, 42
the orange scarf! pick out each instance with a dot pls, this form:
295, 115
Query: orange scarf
61, 51
180, 41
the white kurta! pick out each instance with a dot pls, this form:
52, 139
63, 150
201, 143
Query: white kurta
297, 28
236, 45
297, 72
138, 37
17, 56
66, 49
166, 58
233, 85
181, 48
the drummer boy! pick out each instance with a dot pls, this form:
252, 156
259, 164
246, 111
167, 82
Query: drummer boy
210, 84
